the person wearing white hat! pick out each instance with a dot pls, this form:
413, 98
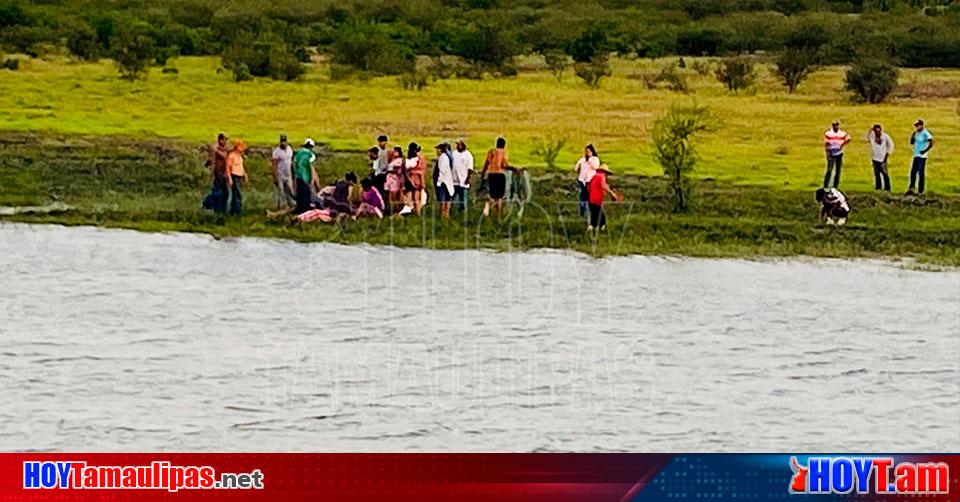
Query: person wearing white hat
305, 175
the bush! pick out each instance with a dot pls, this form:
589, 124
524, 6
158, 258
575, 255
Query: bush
591, 44
490, 46
872, 80
414, 80
794, 66
673, 148
699, 42
11, 64
702, 67
592, 72
241, 72
132, 50
736, 73
368, 48
669, 76
267, 56
82, 41
557, 62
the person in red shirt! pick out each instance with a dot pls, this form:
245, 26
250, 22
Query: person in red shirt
597, 192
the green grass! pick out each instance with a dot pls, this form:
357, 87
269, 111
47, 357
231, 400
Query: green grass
156, 185
767, 137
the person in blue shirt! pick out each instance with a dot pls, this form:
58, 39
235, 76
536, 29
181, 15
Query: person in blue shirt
922, 142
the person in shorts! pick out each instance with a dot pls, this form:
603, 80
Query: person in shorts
834, 209
493, 172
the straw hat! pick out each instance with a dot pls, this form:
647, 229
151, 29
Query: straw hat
604, 168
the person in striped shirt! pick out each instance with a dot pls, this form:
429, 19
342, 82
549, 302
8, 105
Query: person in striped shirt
833, 142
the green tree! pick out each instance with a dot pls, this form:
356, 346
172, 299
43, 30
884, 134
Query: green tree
82, 41
673, 148
794, 66
736, 73
591, 73
132, 49
872, 80
557, 63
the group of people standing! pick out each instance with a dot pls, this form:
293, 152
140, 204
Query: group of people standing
834, 208
881, 147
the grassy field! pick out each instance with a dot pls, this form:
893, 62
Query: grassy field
156, 185
767, 137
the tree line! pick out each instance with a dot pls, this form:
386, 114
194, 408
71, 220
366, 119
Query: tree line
383, 37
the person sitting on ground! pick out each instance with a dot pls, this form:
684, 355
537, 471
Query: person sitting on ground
834, 209
371, 202
392, 184
337, 196
597, 193
493, 172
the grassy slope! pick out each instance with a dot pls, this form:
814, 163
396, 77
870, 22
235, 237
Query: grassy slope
157, 184
770, 138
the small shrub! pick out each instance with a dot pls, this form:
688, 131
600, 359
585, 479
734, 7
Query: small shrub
11, 64
548, 148
414, 80
681, 64
736, 73
172, 71
794, 66
341, 71
472, 71
702, 67
872, 80
557, 62
669, 77
508, 70
673, 147
241, 72
592, 72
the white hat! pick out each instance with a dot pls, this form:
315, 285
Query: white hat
309, 142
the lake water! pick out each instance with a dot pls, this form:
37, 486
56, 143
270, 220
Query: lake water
125, 341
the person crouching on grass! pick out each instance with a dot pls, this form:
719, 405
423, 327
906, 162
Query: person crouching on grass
834, 209
371, 202
597, 192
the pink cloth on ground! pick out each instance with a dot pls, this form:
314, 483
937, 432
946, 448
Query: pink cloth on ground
316, 214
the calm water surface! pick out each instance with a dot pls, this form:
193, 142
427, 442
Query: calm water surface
118, 340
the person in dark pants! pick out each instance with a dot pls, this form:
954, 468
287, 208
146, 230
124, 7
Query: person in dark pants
833, 142
597, 193
585, 168
216, 200
881, 146
381, 164
238, 175
922, 142
305, 176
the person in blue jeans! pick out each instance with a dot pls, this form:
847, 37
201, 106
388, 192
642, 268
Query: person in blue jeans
922, 142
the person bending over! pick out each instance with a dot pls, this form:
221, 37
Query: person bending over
834, 209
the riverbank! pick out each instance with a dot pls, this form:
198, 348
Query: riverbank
156, 185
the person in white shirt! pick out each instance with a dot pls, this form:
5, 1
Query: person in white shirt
585, 168
881, 146
443, 178
833, 142
834, 209
462, 170
282, 159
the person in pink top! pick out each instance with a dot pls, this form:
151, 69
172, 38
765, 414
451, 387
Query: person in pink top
585, 168
833, 142
392, 184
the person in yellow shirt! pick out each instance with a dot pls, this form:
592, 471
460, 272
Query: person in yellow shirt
237, 176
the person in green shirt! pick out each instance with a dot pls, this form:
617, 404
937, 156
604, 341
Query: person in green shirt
306, 175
